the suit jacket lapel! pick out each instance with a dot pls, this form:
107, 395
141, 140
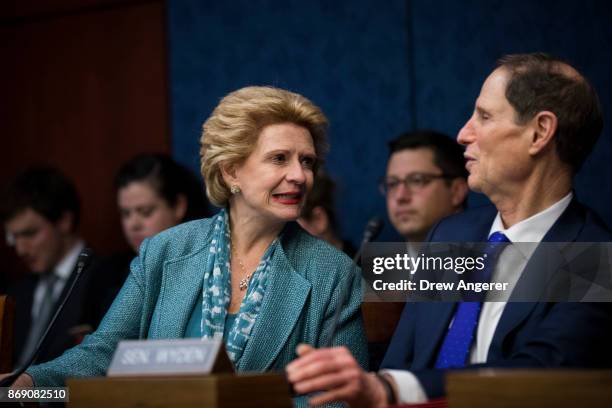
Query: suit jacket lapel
24, 298
280, 310
569, 225
182, 280
432, 327
539, 266
434, 320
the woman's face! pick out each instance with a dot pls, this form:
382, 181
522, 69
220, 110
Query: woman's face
276, 177
144, 213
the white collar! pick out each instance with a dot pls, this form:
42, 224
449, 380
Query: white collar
64, 268
533, 228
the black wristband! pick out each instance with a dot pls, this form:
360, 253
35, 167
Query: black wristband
391, 398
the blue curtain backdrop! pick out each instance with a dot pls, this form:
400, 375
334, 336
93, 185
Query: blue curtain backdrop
377, 69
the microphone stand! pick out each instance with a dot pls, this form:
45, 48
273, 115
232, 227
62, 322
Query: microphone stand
372, 230
83, 262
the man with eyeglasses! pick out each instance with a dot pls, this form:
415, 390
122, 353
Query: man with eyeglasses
40, 211
534, 123
425, 181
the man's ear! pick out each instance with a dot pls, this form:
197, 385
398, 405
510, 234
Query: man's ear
545, 126
66, 223
459, 190
319, 220
180, 208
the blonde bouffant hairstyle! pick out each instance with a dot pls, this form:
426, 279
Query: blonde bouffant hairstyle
230, 134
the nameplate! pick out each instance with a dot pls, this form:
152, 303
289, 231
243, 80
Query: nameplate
169, 357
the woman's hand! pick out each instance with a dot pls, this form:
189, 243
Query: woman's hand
336, 373
23, 381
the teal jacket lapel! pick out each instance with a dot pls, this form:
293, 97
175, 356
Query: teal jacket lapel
182, 280
281, 308
181, 286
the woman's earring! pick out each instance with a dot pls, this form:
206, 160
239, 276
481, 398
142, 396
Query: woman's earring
234, 189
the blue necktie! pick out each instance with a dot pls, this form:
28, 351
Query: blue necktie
458, 340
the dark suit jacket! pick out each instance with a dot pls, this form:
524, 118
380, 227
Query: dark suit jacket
107, 277
528, 334
73, 315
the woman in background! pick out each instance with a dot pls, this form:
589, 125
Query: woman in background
154, 193
319, 214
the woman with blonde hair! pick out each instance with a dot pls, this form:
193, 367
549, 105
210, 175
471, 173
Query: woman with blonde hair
249, 275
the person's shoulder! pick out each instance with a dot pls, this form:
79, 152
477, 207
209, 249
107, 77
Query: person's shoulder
111, 269
595, 229
116, 260
23, 286
473, 215
180, 240
464, 225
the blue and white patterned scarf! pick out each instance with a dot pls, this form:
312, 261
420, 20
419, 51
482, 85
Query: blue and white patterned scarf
216, 291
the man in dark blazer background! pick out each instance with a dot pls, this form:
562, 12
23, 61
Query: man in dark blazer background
40, 212
534, 123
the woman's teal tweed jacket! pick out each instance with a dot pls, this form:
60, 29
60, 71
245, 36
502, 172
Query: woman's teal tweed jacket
156, 301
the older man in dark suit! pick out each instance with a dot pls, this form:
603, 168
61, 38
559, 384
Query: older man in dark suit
534, 123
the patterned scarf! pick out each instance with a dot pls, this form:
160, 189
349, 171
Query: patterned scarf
216, 291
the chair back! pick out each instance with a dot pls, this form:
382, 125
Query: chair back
380, 320
7, 316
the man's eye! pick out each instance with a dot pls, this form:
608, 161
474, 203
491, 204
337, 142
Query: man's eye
418, 180
392, 184
29, 233
279, 158
146, 211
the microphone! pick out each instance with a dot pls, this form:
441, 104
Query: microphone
372, 229
83, 262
